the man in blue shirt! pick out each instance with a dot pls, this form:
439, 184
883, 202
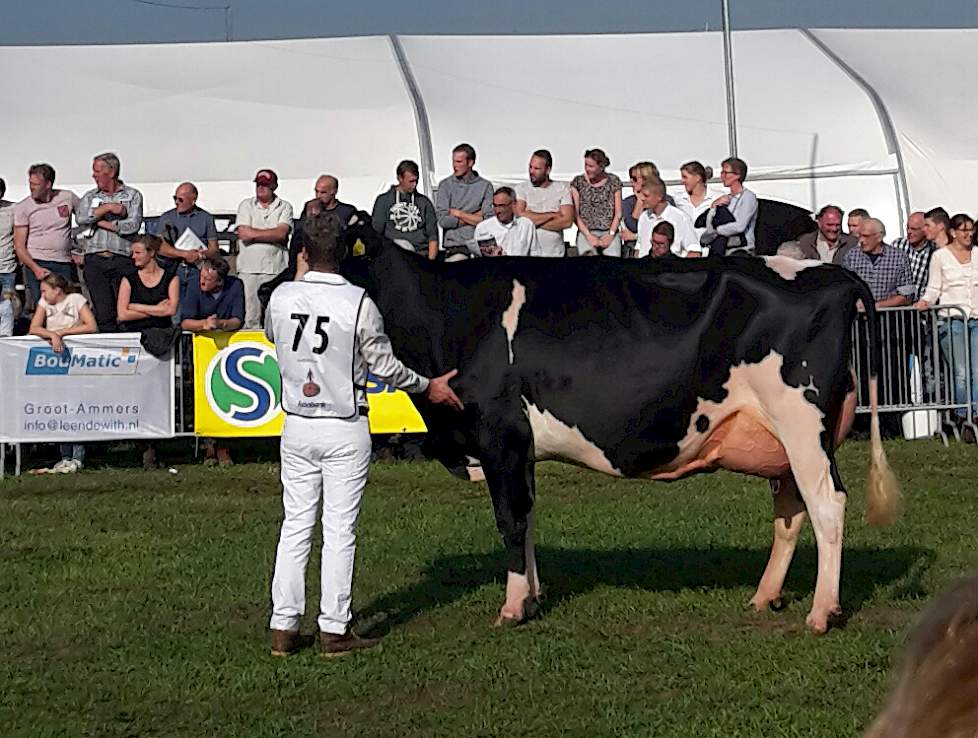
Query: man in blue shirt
214, 302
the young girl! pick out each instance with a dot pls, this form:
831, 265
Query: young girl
62, 311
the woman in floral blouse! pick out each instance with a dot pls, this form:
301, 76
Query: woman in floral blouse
597, 203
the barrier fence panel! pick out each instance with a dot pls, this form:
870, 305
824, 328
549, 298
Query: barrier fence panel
926, 360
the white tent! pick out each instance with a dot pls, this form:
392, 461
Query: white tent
841, 116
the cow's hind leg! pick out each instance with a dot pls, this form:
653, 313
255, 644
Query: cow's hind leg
789, 517
799, 426
508, 466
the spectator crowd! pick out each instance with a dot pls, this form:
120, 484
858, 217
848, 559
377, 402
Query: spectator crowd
89, 265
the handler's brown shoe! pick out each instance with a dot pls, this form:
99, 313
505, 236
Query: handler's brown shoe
285, 642
333, 644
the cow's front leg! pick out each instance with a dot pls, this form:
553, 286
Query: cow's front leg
509, 472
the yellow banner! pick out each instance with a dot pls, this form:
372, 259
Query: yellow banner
238, 390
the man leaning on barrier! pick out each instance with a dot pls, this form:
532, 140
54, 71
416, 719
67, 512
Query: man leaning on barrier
214, 302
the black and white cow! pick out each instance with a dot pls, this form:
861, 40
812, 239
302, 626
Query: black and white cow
639, 369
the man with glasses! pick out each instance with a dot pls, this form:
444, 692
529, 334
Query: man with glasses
188, 234
884, 268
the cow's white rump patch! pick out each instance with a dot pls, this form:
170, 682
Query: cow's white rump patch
788, 267
511, 316
554, 439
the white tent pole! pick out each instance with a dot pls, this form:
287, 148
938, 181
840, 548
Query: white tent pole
729, 79
420, 115
886, 122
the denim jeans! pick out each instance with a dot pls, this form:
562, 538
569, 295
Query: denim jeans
65, 268
7, 281
953, 334
74, 451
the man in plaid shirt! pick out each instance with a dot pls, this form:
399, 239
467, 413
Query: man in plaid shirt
884, 268
918, 250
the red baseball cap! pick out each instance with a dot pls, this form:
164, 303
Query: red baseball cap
266, 177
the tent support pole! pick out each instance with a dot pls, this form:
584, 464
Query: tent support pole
729, 80
420, 114
882, 113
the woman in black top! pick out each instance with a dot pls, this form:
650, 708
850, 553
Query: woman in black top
150, 297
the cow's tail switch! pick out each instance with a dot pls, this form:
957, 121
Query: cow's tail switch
884, 500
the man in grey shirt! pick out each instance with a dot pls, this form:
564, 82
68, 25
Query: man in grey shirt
462, 202
111, 215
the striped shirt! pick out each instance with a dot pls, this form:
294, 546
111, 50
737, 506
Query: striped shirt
127, 226
919, 263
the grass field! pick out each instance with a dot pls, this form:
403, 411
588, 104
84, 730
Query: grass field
136, 603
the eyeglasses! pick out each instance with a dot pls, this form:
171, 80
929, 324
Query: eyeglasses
179, 200
323, 192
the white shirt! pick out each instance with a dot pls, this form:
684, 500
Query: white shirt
516, 238
258, 257
694, 211
64, 314
370, 346
952, 283
546, 200
686, 240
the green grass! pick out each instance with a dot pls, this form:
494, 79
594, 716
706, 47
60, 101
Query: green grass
136, 604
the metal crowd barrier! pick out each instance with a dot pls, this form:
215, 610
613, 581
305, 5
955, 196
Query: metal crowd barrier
918, 367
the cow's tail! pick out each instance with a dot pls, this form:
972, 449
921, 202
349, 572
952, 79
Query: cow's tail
884, 501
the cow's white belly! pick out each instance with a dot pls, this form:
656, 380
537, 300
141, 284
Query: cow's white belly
554, 439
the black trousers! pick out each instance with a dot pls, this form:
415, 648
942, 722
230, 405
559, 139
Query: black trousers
103, 273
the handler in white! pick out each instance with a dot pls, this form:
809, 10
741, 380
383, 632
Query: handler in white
327, 332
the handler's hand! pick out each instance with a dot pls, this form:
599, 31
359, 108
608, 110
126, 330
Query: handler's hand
441, 394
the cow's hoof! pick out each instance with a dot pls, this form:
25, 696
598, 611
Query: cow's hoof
531, 611
505, 621
821, 623
760, 603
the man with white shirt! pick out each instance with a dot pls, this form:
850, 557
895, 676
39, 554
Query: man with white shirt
327, 333
506, 234
657, 209
547, 203
263, 225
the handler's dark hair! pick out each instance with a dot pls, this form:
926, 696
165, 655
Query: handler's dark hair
466, 149
321, 241
545, 155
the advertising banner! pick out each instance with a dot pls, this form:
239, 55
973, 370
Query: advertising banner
238, 391
101, 387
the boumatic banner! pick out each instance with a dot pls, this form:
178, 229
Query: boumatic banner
100, 387
238, 390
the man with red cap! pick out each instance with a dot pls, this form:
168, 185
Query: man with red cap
263, 226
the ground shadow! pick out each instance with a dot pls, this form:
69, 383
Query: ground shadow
568, 573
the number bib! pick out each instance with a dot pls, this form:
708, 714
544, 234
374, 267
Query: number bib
314, 324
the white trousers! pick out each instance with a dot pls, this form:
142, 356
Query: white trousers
322, 459
251, 281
